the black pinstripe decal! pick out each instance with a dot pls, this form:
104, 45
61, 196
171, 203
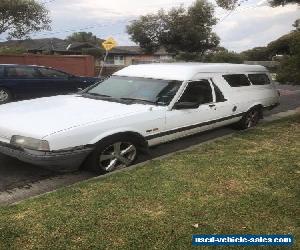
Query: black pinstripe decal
192, 126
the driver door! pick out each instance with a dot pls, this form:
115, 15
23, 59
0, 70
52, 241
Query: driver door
183, 122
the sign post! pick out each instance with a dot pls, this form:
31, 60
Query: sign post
108, 45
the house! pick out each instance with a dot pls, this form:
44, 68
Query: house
127, 55
119, 56
122, 56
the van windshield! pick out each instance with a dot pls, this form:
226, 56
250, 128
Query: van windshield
136, 89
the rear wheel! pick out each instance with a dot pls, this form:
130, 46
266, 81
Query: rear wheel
112, 154
5, 96
250, 119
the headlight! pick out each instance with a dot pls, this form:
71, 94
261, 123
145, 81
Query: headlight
30, 143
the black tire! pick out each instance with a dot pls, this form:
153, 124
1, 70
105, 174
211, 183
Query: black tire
5, 95
250, 119
107, 148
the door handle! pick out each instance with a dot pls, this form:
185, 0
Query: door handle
212, 105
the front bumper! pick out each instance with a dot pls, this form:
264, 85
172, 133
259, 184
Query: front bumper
64, 160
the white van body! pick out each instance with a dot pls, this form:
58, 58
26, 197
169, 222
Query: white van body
241, 97
72, 125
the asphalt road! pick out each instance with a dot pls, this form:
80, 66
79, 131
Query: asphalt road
15, 174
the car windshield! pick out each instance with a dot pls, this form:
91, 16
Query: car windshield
136, 89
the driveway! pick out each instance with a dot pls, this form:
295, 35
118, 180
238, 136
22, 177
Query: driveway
18, 175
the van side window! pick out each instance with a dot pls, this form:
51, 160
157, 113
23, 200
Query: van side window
198, 91
219, 94
237, 80
259, 79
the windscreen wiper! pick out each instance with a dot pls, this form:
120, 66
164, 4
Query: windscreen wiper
96, 94
138, 100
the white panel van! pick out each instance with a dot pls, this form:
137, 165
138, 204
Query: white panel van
107, 125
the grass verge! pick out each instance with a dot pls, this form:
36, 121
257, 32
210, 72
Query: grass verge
248, 183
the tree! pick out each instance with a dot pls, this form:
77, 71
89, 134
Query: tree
283, 44
297, 24
228, 4
82, 37
232, 4
289, 69
280, 46
224, 56
276, 3
217, 55
19, 18
179, 31
257, 54
147, 31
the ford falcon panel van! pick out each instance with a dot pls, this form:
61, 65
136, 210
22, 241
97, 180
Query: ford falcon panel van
106, 126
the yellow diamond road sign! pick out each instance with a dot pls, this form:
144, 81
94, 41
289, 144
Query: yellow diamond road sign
109, 44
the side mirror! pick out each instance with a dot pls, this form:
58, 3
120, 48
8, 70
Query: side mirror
186, 105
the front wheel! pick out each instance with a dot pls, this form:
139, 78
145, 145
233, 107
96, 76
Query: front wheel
250, 119
5, 96
112, 154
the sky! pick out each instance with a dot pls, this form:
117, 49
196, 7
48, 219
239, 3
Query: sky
252, 24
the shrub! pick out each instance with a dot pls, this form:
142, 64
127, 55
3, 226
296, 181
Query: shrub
289, 69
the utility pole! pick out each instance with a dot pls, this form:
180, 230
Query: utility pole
108, 45
103, 63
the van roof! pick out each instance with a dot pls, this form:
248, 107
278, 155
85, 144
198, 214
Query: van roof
184, 71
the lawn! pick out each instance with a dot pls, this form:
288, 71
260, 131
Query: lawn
248, 183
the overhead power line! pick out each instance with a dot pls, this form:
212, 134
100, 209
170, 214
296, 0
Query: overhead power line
78, 29
83, 28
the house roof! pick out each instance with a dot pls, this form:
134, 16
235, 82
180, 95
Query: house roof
127, 50
184, 71
47, 44
41, 44
79, 45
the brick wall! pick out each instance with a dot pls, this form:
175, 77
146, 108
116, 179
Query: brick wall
77, 65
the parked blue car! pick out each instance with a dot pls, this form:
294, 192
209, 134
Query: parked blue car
24, 82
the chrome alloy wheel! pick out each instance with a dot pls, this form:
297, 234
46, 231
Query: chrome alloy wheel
3, 95
117, 155
252, 118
